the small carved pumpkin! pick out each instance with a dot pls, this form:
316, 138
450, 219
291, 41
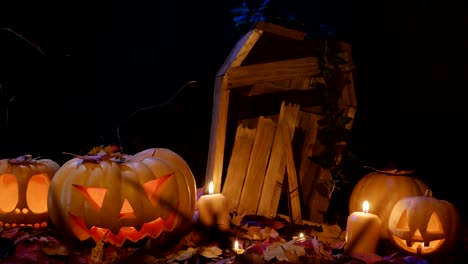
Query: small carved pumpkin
118, 199
424, 225
24, 183
383, 189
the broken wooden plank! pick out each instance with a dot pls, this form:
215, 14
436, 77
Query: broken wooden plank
238, 164
252, 188
272, 185
293, 188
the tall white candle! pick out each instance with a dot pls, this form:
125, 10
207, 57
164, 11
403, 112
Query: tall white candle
362, 231
213, 209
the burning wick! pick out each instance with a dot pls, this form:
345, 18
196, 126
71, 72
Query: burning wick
301, 235
211, 188
365, 207
236, 248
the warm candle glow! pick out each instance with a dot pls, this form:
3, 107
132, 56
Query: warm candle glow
211, 188
236, 245
365, 207
301, 235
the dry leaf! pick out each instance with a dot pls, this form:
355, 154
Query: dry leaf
254, 233
275, 250
268, 232
211, 252
236, 220
96, 252
182, 254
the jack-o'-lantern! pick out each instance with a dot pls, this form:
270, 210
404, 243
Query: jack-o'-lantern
383, 189
424, 225
179, 164
114, 198
24, 183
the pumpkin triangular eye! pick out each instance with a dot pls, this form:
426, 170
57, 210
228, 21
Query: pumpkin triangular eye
94, 196
434, 224
152, 187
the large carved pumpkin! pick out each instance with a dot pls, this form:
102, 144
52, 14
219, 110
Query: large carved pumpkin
382, 189
119, 199
425, 225
24, 183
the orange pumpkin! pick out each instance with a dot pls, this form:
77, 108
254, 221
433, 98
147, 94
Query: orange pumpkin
24, 183
119, 199
382, 189
424, 225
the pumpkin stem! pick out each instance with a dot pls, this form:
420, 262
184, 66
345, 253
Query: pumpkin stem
392, 171
22, 159
428, 193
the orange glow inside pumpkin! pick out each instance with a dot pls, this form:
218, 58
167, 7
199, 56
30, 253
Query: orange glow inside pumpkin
434, 238
95, 196
36, 194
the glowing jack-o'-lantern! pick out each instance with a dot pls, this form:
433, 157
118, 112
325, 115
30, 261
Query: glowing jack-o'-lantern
24, 183
383, 189
119, 199
424, 225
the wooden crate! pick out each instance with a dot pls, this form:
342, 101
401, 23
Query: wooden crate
264, 94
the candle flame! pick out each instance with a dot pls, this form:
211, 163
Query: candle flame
365, 207
236, 245
211, 188
301, 235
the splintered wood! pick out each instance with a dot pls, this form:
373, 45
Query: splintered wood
260, 157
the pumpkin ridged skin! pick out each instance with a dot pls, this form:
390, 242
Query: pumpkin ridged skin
178, 163
124, 180
418, 211
23, 171
382, 190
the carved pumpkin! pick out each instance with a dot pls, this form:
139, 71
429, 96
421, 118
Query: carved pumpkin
424, 225
24, 183
383, 189
119, 199
179, 164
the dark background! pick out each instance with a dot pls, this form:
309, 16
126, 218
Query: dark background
74, 75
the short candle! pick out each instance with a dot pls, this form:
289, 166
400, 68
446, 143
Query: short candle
213, 209
362, 231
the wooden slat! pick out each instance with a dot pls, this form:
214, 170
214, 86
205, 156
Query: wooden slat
214, 167
272, 185
280, 30
252, 188
240, 50
272, 71
279, 86
294, 195
238, 164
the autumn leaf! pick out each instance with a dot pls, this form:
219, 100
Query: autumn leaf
211, 252
96, 252
52, 246
273, 251
237, 219
182, 255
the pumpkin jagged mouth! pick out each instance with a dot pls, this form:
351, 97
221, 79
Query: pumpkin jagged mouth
152, 229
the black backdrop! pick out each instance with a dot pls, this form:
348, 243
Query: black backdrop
73, 72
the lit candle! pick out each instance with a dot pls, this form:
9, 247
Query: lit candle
213, 209
362, 231
237, 249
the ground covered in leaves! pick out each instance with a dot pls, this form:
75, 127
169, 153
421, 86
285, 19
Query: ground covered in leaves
261, 240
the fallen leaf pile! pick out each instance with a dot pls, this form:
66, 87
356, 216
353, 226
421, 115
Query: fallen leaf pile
261, 240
